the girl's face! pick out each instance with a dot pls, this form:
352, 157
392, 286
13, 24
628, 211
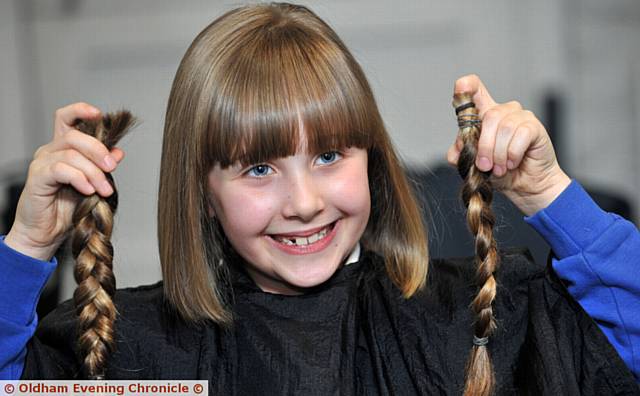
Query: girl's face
293, 219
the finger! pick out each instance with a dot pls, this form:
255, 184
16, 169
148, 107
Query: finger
472, 84
453, 155
487, 140
65, 117
117, 154
505, 131
520, 143
66, 174
91, 172
89, 146
454, 151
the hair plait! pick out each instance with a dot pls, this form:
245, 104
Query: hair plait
477, 194
92, 250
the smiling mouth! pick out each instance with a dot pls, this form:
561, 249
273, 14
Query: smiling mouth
291, 240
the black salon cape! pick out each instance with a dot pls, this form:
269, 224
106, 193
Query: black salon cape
355, 334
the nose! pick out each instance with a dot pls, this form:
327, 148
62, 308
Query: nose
304, 198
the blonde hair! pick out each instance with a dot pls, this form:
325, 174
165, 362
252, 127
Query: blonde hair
92, 250
238, 95
477, 194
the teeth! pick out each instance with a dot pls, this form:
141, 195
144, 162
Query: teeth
303, 241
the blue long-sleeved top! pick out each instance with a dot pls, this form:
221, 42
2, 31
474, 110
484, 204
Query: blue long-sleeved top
596, 254
23, 280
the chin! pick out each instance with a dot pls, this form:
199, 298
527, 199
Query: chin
311, 277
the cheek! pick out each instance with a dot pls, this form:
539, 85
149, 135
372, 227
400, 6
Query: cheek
350, 191
245, 213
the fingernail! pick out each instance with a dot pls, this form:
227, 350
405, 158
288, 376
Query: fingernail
484, 164
498, 170
106, 187
109, 162
510, 164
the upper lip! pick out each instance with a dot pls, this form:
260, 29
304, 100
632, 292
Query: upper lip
304, 233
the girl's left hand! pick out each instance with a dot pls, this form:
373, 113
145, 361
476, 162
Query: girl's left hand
516, 147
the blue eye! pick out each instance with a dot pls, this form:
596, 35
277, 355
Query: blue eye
261, 170
329, 157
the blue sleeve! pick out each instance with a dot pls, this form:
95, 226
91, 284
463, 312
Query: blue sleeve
23, 279
597, 255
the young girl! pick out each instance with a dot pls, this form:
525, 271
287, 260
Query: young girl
293, 253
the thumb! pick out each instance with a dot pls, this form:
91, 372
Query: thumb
472, 84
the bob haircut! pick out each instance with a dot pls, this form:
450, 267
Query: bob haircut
242, 88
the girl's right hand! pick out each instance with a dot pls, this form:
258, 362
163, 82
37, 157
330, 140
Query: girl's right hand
74, 158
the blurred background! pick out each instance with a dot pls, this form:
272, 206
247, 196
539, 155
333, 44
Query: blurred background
574, 63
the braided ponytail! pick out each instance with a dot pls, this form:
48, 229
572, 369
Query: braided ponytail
477, 194
92, 250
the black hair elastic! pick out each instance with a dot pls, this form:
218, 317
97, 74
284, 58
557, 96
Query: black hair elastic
468, 120
464, 107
